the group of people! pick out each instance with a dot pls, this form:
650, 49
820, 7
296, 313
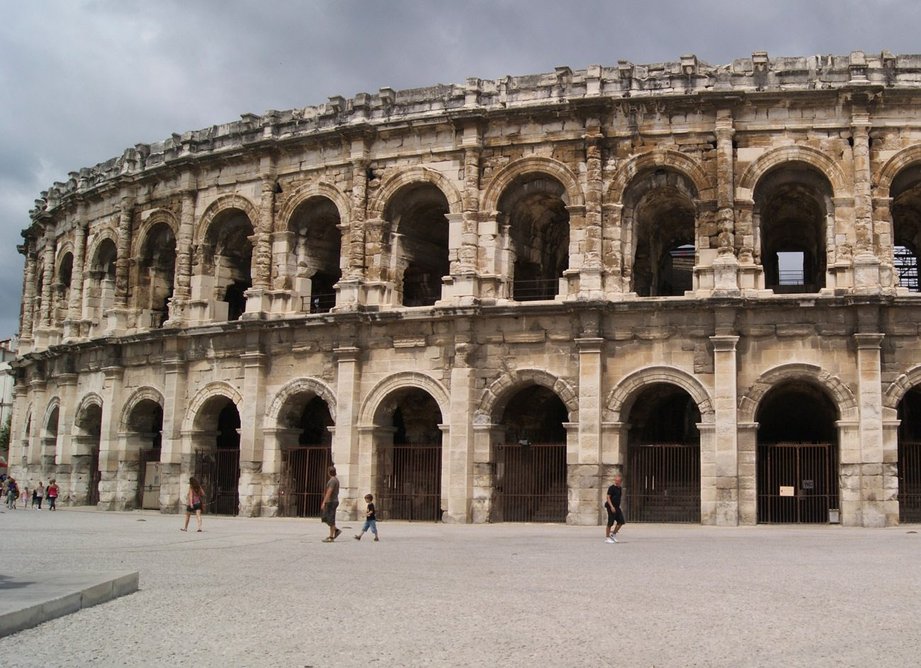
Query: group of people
331, 502
12, 492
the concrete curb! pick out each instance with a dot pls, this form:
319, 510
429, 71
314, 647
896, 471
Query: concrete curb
30, 601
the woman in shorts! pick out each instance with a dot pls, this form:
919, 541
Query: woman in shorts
194, 502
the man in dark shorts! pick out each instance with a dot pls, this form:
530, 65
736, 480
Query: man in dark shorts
615, 514
329, 505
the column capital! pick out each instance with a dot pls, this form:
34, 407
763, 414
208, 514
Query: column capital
869, 341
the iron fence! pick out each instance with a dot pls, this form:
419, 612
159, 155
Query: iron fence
531, 482
414, 487
909, 481
797, 482
663, 483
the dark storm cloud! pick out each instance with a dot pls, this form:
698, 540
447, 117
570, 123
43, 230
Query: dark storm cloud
81, 80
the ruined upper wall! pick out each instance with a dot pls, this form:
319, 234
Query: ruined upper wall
686, 77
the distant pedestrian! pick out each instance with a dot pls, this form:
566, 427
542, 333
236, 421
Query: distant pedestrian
370, 519
329, 505
26, 495
39, 495
194, 503
12, 493
615, 513
52, 493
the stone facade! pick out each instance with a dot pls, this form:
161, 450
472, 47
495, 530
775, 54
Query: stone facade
440, 288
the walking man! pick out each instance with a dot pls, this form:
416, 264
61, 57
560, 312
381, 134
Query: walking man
330, 504
615, 514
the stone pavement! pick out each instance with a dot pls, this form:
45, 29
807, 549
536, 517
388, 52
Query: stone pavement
268, 592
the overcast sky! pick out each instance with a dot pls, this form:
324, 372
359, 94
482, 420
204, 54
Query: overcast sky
81, 80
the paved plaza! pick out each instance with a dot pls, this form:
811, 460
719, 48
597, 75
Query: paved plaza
268, 592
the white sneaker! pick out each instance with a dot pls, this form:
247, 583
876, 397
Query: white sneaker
613, 539
610, 539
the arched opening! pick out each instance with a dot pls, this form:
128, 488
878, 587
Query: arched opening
217, 455
85, 473
659, 209
62, 288
409, 456
306, 454
315, 254
531, 463
145, 436
797, 468
662, 479
226, 258
906, 226
100, 292
156, 271
418, 243
533, 215
50, 442
37, 298
793, 206
909, 468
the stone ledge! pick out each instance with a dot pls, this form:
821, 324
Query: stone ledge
29, 601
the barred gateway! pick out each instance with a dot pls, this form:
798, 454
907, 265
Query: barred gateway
481, 301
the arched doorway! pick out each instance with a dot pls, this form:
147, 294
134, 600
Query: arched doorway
662, 479
314, 254
224, 262
534, 216
909, 467
306, 460
793, 208
906, 227
145, 427
85, 473
409, 456
531, 463
217, 458
797, 469
156, 272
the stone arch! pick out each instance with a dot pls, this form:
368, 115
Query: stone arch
787, 154
91, 399
894, 166
414, 175
524, 166
54, 404
62, 250
222, 204
164, 216
398, 381
306, 191
26, 430
211, 390
625, 390
99, 238
497, 395
141, 394
295, 387
840, 394
898, 388
668, 159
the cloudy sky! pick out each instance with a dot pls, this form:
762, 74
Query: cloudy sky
81, 80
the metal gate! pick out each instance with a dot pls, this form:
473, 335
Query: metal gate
663, 483
531, 483
218, 471
414, 486
797, 482
304, 480
95, 477
909, 481
145, 486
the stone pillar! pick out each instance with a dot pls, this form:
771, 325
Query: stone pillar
75, 307
457, 455
253, 409
725, 265
182, 283
879, 507
67, 391
349, 459
109, 454
613, 458
348, 294
261, 266
616, 267
866, 263
570, 282
118, 319
463, 287
584, 473
28, 301
174, 407
747, 439
37, 386
484, 470
590, 279
720, 476
47, 277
